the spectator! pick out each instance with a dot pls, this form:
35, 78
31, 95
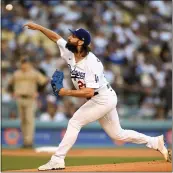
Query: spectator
53, 112
166, 96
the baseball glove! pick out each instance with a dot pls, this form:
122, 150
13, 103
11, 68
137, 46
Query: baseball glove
57, 82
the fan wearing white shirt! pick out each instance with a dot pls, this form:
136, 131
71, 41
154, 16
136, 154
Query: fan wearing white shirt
87, 74
53, 112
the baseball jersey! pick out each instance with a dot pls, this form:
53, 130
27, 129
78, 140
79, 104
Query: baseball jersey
87, 73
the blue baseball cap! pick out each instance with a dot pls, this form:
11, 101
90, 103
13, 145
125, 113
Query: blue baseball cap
83, 35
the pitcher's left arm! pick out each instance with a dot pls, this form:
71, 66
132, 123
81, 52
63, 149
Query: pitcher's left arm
59, 90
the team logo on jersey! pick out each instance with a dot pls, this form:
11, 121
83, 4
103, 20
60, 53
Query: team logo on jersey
96, 78
76, 74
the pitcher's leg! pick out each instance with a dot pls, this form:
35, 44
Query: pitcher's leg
111, 125
89, 112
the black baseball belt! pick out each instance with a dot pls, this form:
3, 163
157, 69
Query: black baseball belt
96, 93
25, 96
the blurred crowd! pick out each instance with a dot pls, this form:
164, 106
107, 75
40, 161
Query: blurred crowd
132, 38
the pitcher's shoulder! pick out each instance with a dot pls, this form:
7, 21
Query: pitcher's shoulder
92, 59
93, 63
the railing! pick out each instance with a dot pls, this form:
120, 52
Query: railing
126, 124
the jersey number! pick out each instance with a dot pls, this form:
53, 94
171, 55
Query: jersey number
81, 85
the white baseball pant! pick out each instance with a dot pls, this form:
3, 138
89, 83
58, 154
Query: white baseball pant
101, 107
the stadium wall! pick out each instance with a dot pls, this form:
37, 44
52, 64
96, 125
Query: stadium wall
91, 136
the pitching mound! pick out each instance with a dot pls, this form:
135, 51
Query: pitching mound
155, 166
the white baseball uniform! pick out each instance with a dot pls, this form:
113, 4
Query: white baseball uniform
89, 72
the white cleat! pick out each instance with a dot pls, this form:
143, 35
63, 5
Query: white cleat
163, 150
52, 165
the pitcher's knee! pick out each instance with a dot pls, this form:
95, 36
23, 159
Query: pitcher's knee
118, 135
75, 123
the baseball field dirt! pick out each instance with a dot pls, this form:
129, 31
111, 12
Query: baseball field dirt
125, 155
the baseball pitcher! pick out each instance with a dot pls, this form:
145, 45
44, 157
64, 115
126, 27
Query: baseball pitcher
88, 78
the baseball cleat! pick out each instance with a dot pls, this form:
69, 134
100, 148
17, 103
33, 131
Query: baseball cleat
52, 165
163, 150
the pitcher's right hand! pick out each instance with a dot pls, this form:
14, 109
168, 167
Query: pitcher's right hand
32, 25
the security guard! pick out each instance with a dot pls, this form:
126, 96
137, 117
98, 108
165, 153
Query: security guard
25, 81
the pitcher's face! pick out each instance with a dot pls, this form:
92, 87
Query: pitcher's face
72, 39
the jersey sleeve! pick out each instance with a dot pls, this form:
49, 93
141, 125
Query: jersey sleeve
64, 52
92, 75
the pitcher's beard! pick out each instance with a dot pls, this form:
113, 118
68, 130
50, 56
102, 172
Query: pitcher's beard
71, 47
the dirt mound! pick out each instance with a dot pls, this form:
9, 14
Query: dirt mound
155, 166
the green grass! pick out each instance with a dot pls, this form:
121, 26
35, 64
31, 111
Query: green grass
29, 162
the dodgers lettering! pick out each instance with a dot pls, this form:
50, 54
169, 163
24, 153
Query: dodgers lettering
76, 74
